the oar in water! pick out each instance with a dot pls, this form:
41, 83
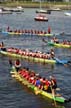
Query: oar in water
53, 95
60, 61
44, 40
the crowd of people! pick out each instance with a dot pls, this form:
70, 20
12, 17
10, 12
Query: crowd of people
48, 85
29, 31
64, 42
38, 54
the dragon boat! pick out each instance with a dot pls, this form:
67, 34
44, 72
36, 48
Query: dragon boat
28, 32
21, 33
32, 56
35, 89
11, 33
58, 45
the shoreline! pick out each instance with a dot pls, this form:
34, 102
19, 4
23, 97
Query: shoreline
47, 5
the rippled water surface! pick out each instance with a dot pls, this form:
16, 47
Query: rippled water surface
13, 94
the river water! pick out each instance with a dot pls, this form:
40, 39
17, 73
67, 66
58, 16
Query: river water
13, 94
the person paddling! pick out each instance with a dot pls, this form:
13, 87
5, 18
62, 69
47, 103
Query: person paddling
2, 44
10, 62
17, 64
49, 30
8, 28
3, 48
53, 84
52, 53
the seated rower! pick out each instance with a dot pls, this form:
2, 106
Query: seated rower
38, 82
31, 76
52, 40
48, 55
49, 30
64, 42
3, 47
8, 29
46, 85
55, 39
2, 44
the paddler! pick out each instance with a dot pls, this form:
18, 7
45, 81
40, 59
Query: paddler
3, 47
52, 53
17, 65
2, 44
53, 84
56, 40
8, 28
10, 62
49, 30
38, 82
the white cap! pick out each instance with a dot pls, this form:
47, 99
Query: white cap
37, 74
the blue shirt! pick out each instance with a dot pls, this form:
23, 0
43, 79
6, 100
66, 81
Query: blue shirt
38, 82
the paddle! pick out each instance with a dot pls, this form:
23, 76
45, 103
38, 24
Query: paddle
44, 40
53, 94
60, 61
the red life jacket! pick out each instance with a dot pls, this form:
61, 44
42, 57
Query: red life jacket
49, 30
17, 63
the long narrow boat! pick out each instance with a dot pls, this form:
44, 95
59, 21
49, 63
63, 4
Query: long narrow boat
12, 33
17, 33
47, 34
30, 33
58, 45
23, 80
55, 34
34, 59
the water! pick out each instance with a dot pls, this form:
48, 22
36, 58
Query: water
14, 95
